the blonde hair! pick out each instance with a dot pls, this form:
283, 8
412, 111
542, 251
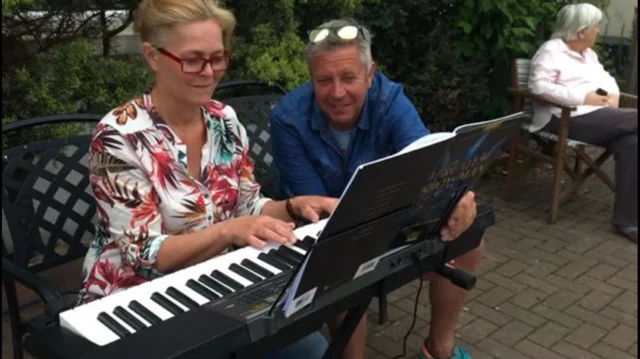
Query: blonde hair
154, 17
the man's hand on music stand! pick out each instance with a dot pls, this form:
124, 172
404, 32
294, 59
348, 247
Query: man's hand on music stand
312, 208
461, 219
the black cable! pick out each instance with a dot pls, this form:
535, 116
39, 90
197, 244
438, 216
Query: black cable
416, 257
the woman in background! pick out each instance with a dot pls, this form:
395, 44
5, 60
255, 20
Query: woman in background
566, 69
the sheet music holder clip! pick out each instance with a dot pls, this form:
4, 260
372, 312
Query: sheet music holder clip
289, 282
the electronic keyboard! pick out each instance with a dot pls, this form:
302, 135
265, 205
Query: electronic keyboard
221, 308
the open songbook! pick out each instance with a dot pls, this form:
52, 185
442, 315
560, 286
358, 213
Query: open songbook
470, 149
396, 201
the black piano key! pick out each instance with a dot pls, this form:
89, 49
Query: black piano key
274, 261
182, 298
293, 253
308, 241
244, 273
302, 245
113, 325
145, 313
226, 280
215, 285
257, 268
167, 304
202, 290
128, 318
285, 256
284, 259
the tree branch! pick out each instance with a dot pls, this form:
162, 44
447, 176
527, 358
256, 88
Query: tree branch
122, 26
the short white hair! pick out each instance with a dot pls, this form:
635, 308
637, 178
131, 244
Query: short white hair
574, 18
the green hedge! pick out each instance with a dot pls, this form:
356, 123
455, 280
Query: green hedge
452, 55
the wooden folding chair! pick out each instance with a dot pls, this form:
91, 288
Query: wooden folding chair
554, 147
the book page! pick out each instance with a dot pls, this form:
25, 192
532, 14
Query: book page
422, 142
399, 178
471, 126
427, 140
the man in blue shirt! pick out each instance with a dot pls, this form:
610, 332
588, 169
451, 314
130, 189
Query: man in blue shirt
347, 115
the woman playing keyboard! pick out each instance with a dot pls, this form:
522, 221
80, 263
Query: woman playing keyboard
170, 169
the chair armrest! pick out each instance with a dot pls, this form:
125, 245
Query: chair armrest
541, 99
51, 296
628, 101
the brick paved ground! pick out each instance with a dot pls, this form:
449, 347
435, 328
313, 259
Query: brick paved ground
544, 291
562, 291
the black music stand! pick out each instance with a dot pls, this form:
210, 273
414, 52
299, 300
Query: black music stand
399, 186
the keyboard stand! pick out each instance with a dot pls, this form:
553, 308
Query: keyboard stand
348, 326
468, 241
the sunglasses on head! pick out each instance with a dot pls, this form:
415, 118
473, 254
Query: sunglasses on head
346, 33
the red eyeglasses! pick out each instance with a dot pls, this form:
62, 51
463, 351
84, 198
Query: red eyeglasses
196, 65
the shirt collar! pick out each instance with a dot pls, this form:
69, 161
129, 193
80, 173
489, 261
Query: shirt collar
319, 123
564, 47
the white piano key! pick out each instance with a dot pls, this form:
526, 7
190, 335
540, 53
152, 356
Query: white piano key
219, 262
180, 283
108, 308
254, 257
129, 297
163, 292
135, 315
234, 257
160, 285
267, 266
154, 307
312, 230
77, 320
297, 249
144, 292
235, 277
220, 265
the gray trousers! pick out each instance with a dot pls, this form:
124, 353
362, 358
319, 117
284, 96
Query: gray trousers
617, 130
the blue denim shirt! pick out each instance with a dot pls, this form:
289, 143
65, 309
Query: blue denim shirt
307, 154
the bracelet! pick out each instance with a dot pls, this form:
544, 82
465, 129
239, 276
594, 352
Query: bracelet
290, 211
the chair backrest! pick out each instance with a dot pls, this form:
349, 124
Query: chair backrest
253, 112
48, 211
520, 71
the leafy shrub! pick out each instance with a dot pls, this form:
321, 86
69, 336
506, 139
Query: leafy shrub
615, 59
452, 56
414, 43
271, 57
69, 79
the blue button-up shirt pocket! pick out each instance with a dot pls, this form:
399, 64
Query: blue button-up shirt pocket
327, 170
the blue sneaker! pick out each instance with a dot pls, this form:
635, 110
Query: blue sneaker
457, 353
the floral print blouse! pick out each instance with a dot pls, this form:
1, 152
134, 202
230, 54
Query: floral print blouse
144, 193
